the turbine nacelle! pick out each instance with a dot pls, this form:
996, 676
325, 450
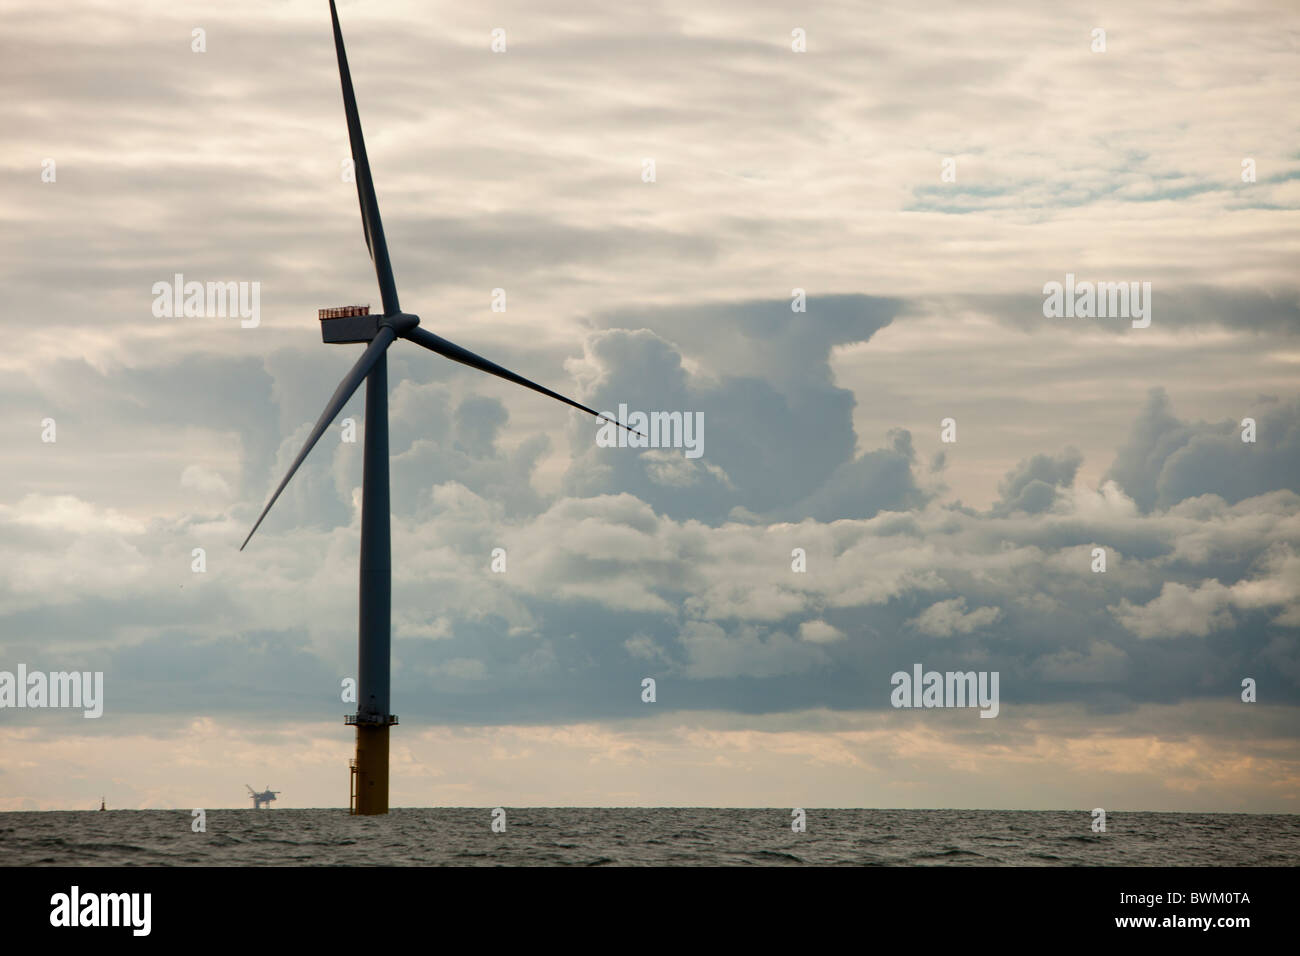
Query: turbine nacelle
348, 324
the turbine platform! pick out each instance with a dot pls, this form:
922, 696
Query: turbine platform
370, 720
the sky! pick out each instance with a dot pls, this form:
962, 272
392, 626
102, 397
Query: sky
836, 256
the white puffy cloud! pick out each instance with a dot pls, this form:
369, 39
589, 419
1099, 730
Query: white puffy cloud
204, 481
946, 618
819, 632
1180, 610
712, 652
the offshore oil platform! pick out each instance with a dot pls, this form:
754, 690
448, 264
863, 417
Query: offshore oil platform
262, 799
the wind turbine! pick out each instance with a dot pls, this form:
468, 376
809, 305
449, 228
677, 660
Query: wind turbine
356, 324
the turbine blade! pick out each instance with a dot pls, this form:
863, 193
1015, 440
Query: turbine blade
354, 378
370, 223
436, 343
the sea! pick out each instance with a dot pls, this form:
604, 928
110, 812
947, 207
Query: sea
692, 836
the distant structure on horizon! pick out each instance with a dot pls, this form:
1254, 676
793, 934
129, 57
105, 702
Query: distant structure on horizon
260, 800
102, 805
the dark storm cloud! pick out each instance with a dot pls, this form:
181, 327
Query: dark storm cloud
776, 428
765, 338
1167, 460
879, 480
1033, 484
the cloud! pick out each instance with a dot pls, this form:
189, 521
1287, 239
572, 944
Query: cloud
749, 651
1032, 485
204, 481
812, 472
946, 618
643, 647
1166, 460
819, 632
597, 587
1100, 663
1180, 610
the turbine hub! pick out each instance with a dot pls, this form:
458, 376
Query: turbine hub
400, 323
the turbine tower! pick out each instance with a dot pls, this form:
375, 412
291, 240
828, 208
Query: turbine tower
354, 325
